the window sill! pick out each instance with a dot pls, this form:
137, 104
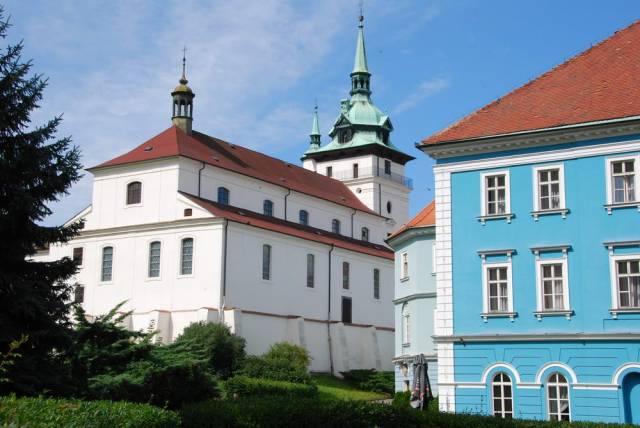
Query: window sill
611, 207
567, 313
406, 345
484, 218
404, 279
486, 315
615, 312
561, 211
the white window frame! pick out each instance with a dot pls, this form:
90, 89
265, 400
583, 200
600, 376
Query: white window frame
193, 257
537, 209
148, 266
540, 309
100, 264
126, 193
486, 312
502, 413
613, 269
404, 266
636, 182
483, 196
557, 386
270, 265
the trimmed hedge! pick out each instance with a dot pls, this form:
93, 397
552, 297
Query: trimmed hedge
243, 386
41, 412
448, 420
274, 369
286, 412
371, 380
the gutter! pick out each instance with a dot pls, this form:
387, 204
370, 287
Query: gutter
329, 314
200, 177
285, 204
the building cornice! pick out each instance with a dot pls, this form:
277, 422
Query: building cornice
533, 138
147, 227
412, 232
415, 296
540, 337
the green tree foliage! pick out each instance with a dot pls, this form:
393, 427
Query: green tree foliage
223, 351
36, 169
297, 355
283, 361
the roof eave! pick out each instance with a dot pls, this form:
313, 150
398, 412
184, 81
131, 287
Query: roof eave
409, 233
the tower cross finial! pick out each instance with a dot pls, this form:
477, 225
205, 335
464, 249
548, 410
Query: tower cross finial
184, 61
361, 17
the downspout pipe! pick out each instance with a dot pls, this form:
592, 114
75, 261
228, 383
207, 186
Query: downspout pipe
223, 286
285, 204
329, 314
200, 178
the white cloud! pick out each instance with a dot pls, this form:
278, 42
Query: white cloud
425, 90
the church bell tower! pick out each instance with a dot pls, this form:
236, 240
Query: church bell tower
182, 97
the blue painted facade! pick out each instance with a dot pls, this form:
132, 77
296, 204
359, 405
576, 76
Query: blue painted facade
415, 297
591, 344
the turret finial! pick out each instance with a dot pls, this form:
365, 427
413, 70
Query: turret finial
183, 79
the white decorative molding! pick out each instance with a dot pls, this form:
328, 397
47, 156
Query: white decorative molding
558, 364
511, 368
615, 379
541, 337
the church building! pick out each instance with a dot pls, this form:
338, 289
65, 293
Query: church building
186, 227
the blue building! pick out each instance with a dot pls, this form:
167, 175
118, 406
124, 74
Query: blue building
538, 245
415, 297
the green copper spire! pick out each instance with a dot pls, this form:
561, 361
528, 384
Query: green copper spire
360, 75
315, 131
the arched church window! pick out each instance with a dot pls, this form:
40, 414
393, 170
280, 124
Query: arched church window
267, 208
134, 193
335, 226
364, 234
304, 217
223, 195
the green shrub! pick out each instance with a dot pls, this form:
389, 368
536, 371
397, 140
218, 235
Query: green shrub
223, 351
371, 380
402, 399
242, 386
31, 412
287, 412
295, 354
274, 369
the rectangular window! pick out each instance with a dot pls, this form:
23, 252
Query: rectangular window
266, 262
387, 167
355, 170
549, 189
186, 257
623, 177
154, 259
495, 194
329, 171
376, 284
311, 270
106, 273
78, 254
498, 289
552, 286
346, 310
628, 283
404, 267
78, 294
345, 275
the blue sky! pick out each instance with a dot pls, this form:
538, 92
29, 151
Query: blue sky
257, 66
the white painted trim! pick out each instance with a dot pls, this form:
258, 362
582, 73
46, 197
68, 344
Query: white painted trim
596, 386
100, 261
572, 374
507, 366
615, 379
483, 192
636, 182
536, 186
542, 337
126, 192
532, 158
485, 286
540, 310
148, 265
193, 253
613, 274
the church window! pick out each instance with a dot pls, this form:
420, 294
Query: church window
346, 310
304, 217
266, 262
364, 234
502, 396
335, 226
154, 259
558, 398
267, 208
387, 167
223, 195
134, 193
310, 270
78, 294
78, 253
329, 171
389, 207
376, 284
345, 275
355, 170
106, 273
186, 256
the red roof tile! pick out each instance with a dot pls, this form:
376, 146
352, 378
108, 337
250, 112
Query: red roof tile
598, 84
218, 153
426, 217
251, 218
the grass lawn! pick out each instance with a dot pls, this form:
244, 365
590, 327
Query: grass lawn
332, 387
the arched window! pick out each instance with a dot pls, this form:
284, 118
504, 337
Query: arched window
335, 225
558, 398
502, 396
364, 234
223, 195
106, 273
134, 193
154, 259
388, 207
304, 217
266, 262
267, 208
406, 316
186, 256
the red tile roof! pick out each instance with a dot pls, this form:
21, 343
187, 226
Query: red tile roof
251, 218
218, 153
598, 84
426, 217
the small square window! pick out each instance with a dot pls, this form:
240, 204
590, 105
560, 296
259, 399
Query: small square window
188, 212
78, 255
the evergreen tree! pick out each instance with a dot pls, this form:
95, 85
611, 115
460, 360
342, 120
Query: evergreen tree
36, 168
